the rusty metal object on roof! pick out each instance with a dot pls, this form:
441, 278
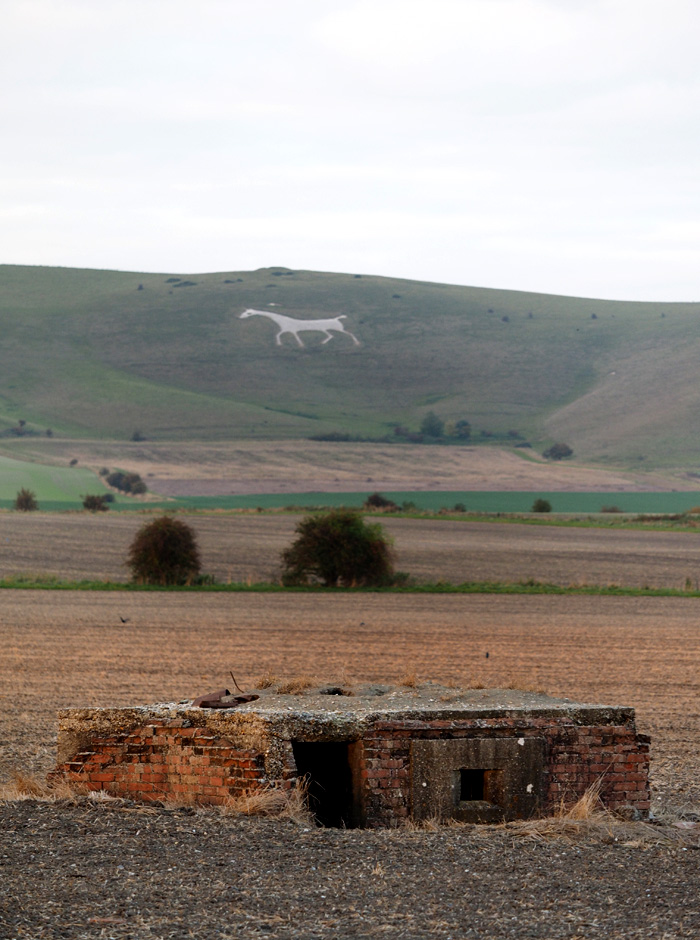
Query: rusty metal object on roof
222, 699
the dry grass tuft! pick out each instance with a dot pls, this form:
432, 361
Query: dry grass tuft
27, 787
476, 684
588, 806
269, 801
522, 685
296, 686
266, 681
589, 819
409, 680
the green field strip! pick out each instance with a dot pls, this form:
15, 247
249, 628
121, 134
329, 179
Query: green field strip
473, 501
61, 487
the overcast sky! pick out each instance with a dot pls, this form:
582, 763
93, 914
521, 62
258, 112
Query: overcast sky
547, 145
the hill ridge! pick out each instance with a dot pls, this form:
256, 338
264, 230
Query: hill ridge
101, 353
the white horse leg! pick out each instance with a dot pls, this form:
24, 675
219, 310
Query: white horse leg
296, 337
348, 333
329, 336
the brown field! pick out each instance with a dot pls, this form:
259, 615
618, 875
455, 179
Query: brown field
192, 469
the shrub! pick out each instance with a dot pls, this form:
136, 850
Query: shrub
25, 501
127, 482
463, 429
611, 509
541, 505
432, 425
558, 452
340, 549
95, 503
377, 501
164, 551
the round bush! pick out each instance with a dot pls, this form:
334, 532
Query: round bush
25, 501
164, 552
339, 549
377, 501
95, 503
541, 505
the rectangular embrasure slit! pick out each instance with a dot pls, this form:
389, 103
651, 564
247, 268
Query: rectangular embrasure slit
471, 784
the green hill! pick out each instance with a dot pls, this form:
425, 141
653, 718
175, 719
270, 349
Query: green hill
104, 354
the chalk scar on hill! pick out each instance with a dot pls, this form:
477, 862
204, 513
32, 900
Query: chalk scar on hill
295, 326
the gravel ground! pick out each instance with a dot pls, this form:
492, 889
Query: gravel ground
95, 870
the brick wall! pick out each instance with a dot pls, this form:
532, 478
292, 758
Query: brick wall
577, 757
167, 759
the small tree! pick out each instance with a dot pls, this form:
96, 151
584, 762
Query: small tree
558, 452
541, 505
463, 429
25, 501
377, 501
432, 425
164, 552
338, 548
95, 503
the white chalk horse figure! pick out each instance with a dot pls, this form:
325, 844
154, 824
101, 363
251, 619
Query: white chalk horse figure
295, 327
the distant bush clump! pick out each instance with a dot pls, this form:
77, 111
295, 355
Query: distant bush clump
541, 505
611, 509
164, 552
95, 503
339, 549
377, 501
432, 425
558, 452
25, 501
127, 482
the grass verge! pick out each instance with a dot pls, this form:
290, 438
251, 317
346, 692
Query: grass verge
51, 583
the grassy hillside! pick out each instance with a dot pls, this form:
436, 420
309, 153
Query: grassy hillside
105, 353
